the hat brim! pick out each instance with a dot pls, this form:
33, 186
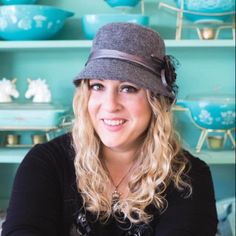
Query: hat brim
113, 69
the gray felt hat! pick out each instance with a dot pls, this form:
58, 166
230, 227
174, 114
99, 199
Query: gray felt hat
133, 53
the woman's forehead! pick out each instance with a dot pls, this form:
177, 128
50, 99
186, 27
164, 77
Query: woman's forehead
110, 81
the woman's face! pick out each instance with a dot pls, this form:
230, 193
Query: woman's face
120, 113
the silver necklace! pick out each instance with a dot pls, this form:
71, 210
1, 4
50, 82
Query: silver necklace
115, 196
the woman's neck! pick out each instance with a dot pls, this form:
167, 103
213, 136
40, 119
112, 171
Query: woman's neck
118, 158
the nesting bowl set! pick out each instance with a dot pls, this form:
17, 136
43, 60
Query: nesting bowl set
22, 20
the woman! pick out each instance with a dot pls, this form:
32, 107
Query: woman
122, 170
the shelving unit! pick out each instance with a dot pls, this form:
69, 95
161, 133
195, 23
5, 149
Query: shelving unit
79, 44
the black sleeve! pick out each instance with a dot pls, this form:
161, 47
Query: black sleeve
35, 204
195, 215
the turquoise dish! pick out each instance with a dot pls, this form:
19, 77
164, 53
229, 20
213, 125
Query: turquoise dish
208, 7
17, 2
31, 22
91, 23
122, 3
211, 112
28, 116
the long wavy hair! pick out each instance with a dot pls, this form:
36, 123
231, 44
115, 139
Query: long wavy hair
159, 163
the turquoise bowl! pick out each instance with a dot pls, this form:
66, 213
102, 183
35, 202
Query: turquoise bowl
122, 3
211, 112
31, 22
208, 7
91, 23
17, 2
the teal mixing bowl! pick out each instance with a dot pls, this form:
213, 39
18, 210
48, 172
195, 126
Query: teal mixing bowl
208, 7
91, 23
122, 3
31, 22
17, 2
211, 112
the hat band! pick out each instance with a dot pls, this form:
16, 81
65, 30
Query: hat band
154, 64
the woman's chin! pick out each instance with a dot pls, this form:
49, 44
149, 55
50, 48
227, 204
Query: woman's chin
113, 144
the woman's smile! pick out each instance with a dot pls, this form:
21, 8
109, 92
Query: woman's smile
114, 122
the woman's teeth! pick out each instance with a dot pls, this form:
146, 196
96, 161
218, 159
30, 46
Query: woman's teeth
114, 122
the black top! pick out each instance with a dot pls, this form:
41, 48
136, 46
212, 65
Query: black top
45, 202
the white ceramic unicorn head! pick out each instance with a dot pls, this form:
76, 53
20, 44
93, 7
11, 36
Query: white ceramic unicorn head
8, 89
39, 90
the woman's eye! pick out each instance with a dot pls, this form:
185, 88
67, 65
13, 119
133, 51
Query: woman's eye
96, 87
129, 89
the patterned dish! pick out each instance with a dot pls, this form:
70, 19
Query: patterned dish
207, 7
31, 22
211, 112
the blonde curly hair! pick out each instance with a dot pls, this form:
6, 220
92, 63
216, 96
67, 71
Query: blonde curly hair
160, 161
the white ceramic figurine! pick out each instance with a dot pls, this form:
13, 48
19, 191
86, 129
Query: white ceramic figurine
38, 89
8, 90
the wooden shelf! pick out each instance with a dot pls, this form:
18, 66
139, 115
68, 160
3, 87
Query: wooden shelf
80, 44
16, 155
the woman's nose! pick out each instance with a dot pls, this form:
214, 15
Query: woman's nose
111, 101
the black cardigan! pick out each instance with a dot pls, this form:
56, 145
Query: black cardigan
45, 202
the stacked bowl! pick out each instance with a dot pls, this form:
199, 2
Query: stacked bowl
21, 20
91, 23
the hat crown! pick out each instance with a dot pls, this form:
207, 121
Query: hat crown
129, 38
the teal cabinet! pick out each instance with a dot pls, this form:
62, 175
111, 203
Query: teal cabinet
206, 66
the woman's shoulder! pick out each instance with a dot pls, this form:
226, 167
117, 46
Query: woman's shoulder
198, 171
194, 161
56, 152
